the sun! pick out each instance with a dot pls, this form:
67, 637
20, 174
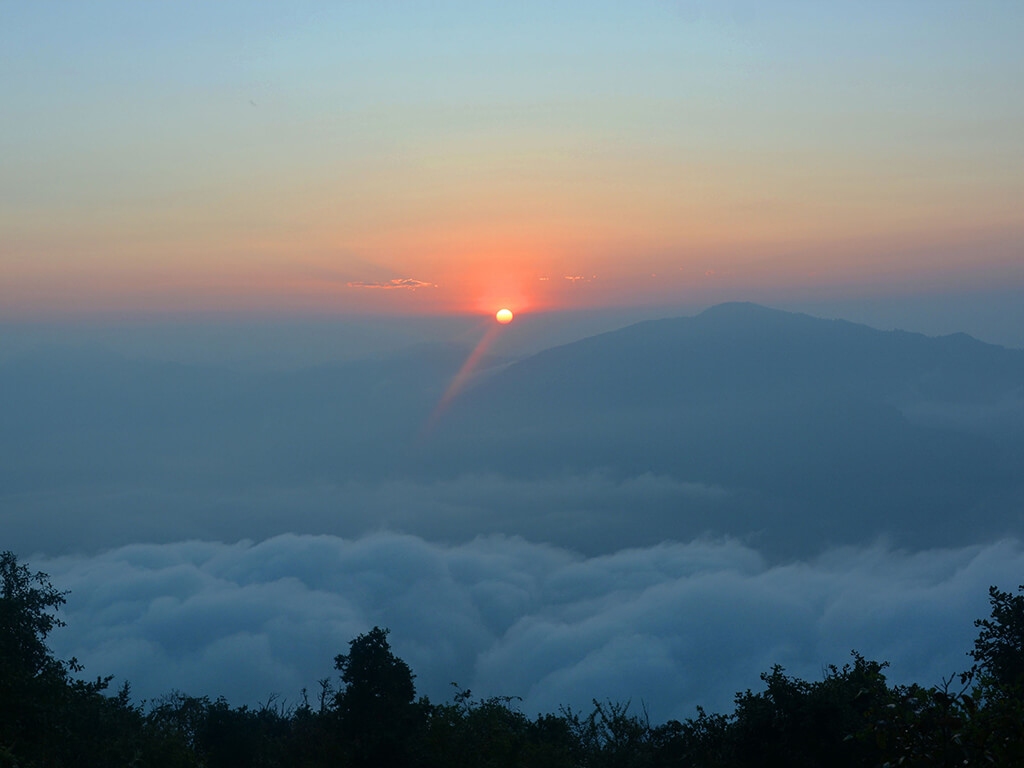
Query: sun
503, 316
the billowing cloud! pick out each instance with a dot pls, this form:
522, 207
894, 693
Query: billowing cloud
398, 282
673, 625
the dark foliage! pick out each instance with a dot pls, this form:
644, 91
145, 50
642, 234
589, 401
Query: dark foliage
851, 717
379, 721
999, 649
797, 723
47, 717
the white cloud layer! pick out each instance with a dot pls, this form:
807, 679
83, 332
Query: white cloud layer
673, 625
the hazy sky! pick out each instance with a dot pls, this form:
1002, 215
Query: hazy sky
296, 157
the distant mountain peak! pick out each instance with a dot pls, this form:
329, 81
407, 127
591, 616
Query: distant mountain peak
747, 311
739, 308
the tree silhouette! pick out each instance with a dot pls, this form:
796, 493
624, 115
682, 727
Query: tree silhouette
379, 719
46, 716
32, 682
26, 602
999, 647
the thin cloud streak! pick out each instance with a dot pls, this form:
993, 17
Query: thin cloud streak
407, 283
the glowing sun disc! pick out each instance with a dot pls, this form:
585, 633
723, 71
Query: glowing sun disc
503, 316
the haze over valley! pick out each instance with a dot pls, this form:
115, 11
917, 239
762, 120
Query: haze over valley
577, 506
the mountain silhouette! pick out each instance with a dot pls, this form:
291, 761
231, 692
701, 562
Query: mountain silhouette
745, 348
820, 427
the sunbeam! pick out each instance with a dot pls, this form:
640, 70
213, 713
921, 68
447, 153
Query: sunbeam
459, 381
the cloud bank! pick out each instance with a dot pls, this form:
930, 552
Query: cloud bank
674, 625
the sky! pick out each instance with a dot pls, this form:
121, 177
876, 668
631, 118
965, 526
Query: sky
254, 401
437, 158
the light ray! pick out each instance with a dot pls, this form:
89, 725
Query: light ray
459, 381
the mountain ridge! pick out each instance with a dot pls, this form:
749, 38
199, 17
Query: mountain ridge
740, 346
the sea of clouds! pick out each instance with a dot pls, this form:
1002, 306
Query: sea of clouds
671, 626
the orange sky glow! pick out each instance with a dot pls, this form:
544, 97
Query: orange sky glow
641, 158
